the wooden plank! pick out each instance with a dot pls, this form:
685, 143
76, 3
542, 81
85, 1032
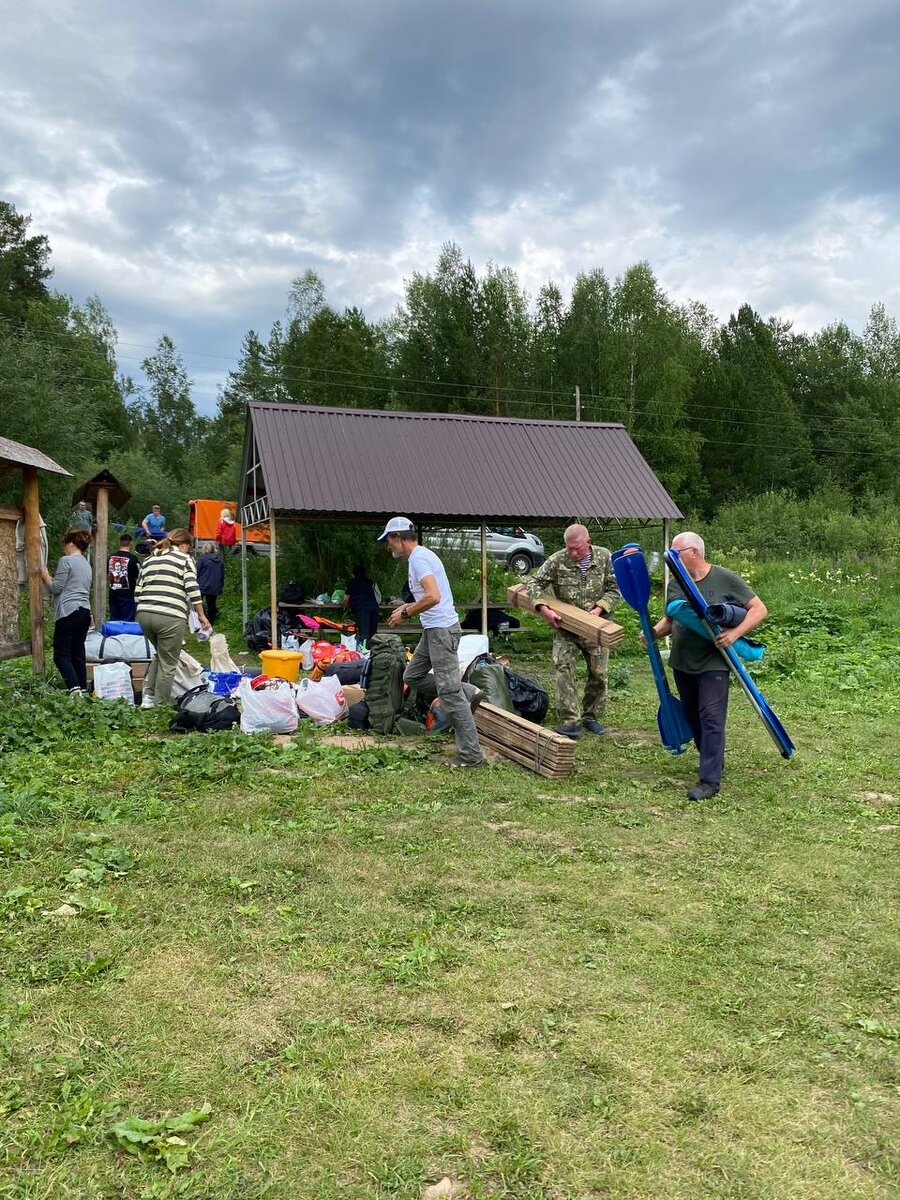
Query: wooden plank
14, 650
531, 762
597, 630
101, 554
9, 512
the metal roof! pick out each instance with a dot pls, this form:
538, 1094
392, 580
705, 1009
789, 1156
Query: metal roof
362, 465
19, 455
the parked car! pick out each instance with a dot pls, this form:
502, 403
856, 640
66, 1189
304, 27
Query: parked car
508, 544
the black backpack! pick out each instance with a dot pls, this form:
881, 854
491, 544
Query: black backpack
292, 593
199, 711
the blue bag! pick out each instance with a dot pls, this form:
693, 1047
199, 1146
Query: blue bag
117, 628
679, 610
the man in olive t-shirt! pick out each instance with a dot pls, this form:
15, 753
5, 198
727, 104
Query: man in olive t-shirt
701, 673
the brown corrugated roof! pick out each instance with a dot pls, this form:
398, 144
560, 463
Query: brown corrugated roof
358, 464
26, 456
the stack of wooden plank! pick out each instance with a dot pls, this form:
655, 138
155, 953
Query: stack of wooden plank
511, 736
598, 630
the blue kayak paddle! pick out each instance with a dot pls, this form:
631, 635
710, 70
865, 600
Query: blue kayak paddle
776, 730
633, 579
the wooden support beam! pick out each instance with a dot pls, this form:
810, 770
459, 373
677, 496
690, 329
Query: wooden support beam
14, 650
273, 583
31, 504
101, 554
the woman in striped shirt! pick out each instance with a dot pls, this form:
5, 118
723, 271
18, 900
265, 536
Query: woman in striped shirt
165, 593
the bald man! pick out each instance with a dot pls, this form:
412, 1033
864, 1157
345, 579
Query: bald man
579, 574
701, 673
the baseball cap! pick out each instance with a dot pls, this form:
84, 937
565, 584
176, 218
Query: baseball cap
397, 525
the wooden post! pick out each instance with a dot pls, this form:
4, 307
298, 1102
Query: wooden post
244, 573
273, 583
31, 504
101, 554
484, 583
577, 402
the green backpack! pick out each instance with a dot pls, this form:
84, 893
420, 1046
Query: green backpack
383, 681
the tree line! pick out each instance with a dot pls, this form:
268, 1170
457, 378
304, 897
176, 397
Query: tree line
721, 411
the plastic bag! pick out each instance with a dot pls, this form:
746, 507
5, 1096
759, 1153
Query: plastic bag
112, 681
270, 709
348, 641
305, 649
323, 700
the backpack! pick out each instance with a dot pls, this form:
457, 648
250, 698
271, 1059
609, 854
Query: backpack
292, 593
199, 711
383, 681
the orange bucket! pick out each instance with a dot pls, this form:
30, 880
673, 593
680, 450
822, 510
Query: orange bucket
285, 664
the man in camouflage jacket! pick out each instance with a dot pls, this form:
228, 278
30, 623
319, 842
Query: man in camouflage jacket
580, 574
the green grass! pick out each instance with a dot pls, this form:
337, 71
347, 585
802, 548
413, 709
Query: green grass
378, 975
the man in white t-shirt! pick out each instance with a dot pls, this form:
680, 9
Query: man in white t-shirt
436, 649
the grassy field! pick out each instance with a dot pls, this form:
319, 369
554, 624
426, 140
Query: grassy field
353, 974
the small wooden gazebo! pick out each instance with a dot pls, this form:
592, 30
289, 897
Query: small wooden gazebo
101, 491
25, 460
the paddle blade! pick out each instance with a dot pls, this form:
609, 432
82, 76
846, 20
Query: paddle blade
673, 727
632, 576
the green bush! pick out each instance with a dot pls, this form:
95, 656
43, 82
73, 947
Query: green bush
828, 524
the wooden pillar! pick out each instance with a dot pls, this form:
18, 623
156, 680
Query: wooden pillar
101, 554
31, 504
273, 583
244, 573
665, 564
484, 580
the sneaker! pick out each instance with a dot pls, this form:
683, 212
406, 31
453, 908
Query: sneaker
572, 731
458, 763
147, 701
77, 693
593, 726
703, 791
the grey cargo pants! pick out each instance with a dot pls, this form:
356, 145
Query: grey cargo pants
436, 650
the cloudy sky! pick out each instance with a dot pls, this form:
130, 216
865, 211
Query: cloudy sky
188, 160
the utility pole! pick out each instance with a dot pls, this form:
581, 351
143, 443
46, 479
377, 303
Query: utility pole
577, 402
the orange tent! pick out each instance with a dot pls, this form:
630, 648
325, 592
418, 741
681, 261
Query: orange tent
203, 518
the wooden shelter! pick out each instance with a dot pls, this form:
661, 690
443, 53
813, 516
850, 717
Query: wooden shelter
15, 458
101, 491
303, 463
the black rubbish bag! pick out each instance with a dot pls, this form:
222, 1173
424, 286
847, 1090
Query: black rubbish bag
258, 631
529, 698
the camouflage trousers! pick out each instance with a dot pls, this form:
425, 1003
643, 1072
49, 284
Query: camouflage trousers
566, 649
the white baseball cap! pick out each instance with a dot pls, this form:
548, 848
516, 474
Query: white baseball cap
398, 525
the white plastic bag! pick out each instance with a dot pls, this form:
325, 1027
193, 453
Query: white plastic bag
348, 641
306, 650
112, 681
271, 709
323, 700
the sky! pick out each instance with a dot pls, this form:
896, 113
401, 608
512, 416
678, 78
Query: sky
188, 161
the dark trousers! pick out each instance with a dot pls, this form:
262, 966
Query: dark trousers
705, 702
68, 647
366, 625
209, 603
122, 606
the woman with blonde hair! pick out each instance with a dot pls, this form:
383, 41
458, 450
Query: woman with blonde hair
71, 585
226, 531
165, 594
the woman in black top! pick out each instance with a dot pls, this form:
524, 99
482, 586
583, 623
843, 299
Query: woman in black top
360, 598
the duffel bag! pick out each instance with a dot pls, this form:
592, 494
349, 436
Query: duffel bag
199, 711
128, 647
